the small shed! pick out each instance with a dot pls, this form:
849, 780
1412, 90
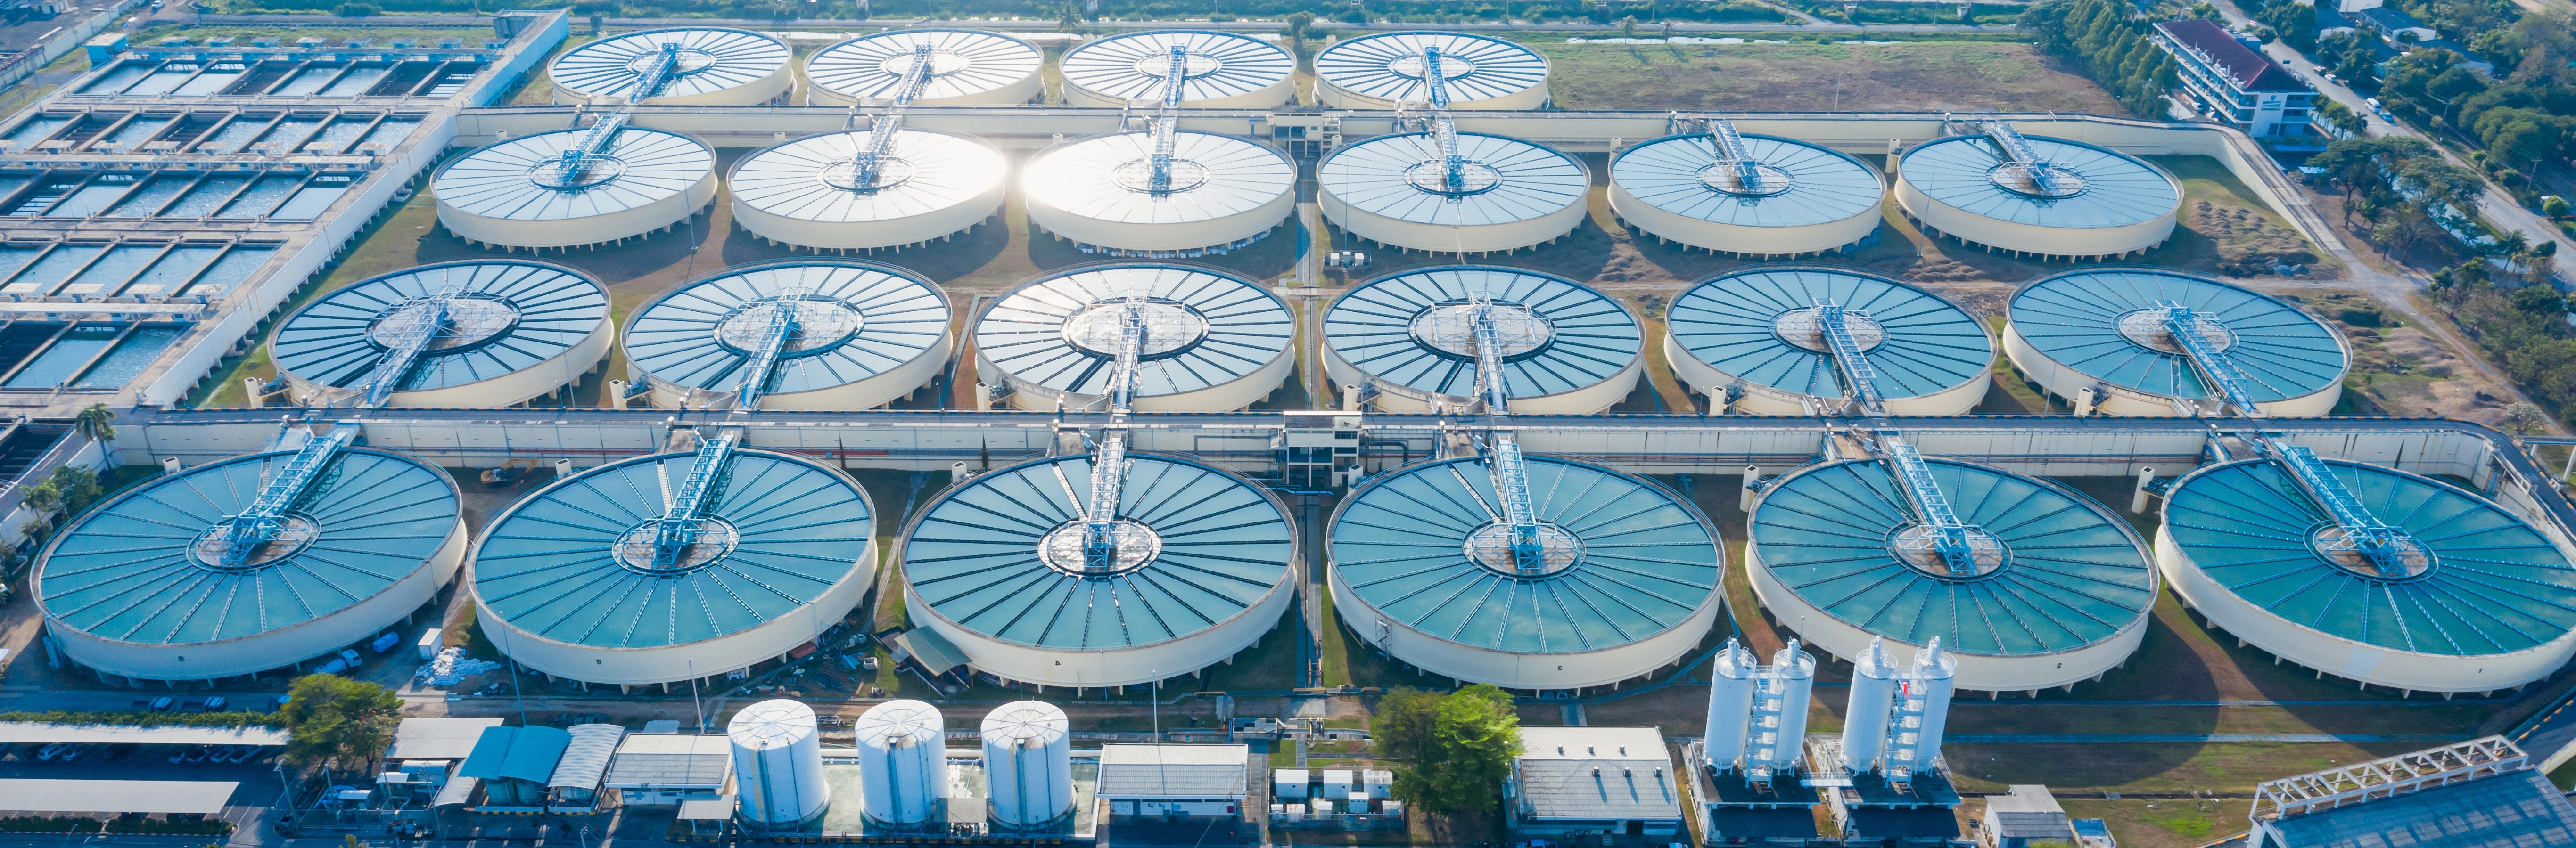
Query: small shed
574, 786
514, 764
2025, 814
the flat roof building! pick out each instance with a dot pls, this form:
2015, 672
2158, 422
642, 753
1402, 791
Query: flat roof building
664, 769
2475, 793
2025, 814
144, 797
1579, 781
1169, 782
433, 738
2232, 83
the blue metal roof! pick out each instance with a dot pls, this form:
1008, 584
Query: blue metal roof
2516, 808
1824, 186
867, 320
2074, 318
2119, 189
548, 565
1532, 180
1730, 321
516, 753
1647, 559
2495, 585
1591, 337
1387, 66
2072, 574
1246, 327
545, 311
128, 570
973, 555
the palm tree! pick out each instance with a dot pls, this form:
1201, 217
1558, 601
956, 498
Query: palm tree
98, 423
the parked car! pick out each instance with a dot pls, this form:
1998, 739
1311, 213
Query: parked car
163, 704
214, 703
49, 752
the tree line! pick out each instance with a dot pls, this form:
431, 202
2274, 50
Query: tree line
2110, 43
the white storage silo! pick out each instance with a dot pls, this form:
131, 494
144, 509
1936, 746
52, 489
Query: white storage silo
1214, 342
1380, 70
2077, 200
517, 192
967, 68
1510, 194
1028, 765
813, 193
1570, 349
1226, 70
711, 67
778, 763
1730, 705
1784, 197
865, 335
2109, 330
903, 762
505, 331
1873, 691
1934, 680
1222, 193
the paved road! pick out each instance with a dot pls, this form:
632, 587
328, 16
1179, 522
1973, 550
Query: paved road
828, 25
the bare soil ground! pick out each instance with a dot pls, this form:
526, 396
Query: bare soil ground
1961, 76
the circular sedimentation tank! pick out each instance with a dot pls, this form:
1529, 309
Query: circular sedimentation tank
568, 583
711, 67
1225, 70
968, 67
816, 192
2103, 330
1509, 194
513, 330
1381, 70
1757, 334
139, 586
1222, 193
1214, 342
1798, 198
1200, 571
1409, 336
518, 192
2054, 589
1423, 569
2090, 202
865, 334
2476, 599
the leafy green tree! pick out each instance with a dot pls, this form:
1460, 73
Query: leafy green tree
2110, 41
2297, 23
335, 722
2554, 206
1454, 748
2346, 122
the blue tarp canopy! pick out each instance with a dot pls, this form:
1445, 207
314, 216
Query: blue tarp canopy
516, 753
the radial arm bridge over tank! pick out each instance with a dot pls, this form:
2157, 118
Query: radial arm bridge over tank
1728, 146
881, 132
1167, 121
1100, 542
2191, 333
685, 511
1945, 535
242, 536
2021, 157
1848, 356
577, 160
1510, 470
410, 343
2386, 550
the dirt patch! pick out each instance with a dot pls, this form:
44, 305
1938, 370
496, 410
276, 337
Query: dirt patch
2249, 243
2400, 370
1912, 77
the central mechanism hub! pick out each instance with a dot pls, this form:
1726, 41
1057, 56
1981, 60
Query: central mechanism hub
2410, 557
1451, 67
1159, 65
1169, 328
820, 324
1450, 328
1728, 178
2017, 178
1473, 178
1062, 549
1138, 175
294, 534
1491, 546
691, 60
2146, 328
470, 321
597, 169
1916, 546
942, 63
1804, 329
844, 175
633, 549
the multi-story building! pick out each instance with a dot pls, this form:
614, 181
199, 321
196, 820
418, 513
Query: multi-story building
2228, 81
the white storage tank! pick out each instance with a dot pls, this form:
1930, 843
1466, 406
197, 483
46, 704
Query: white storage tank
1028, 765
1224, 193
1755, 334
1799, 198
1731, 688
2105, 329
866, 334
366, 545
813, 193
778, 763
2483, 601
713, 67
2080, 201
968, 67
1214, 342
903, 762
1572, 350
1865, 715
517, 193
507, 331
1395, 190
1226, 70
1380, 70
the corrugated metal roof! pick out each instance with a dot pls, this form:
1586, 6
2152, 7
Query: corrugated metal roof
1174, 771
670, 760
965, 63
711, 60
586, 759
1823, 185
2075, 318
529, 312
1591, 779
856, 320
2254, 71
932, 651
1388, 66
1588, 336
1731, 321
2119, 189
437, 738
54, 795
459, 789
516, 753
47, 733
2495, 584
2506, 811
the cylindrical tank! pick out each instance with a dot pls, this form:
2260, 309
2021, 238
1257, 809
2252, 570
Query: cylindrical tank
1792, 680
865, 335
1380, 70
1571, 349
778, 763
1223, 193
1730, 705
1755, 333
967, 68
1803, 198
1511, 194
1214, 342
1873, 694
515, 330
2104, 329
903, 762
1935, 671
1028, 764
517, 193
1225, 70
811, 193
714, 67
2096, 202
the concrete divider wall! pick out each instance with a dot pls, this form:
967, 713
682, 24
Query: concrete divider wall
66, 41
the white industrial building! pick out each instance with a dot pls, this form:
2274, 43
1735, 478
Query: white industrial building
1592, 782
